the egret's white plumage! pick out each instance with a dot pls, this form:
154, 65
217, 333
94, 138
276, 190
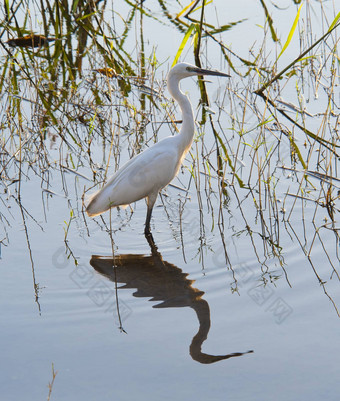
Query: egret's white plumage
151, 170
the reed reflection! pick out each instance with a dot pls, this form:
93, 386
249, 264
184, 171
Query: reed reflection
162, 281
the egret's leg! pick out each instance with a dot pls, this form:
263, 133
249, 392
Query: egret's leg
147, 222
153, 246
151, 201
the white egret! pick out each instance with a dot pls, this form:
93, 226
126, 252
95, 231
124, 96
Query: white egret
147, 173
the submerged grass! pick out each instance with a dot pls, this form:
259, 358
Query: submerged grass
85, 101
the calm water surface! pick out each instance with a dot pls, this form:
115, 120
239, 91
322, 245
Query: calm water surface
166, 302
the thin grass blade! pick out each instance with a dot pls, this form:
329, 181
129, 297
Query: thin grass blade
185, 9
334, 23
191, 28
291, 33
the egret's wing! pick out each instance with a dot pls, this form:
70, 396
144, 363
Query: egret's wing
148, 172
145, 174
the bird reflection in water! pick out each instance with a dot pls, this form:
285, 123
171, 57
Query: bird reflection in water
162, 281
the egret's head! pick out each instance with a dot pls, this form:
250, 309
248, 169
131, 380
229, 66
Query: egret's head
184, 70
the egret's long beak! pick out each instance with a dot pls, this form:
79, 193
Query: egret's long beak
201, 71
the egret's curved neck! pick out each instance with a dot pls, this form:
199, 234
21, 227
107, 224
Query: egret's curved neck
186, 134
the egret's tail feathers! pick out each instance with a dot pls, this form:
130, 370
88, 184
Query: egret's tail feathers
98, 203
